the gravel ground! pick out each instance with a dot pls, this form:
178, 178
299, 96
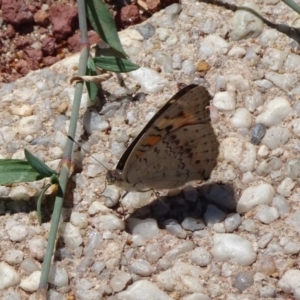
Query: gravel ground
235, 236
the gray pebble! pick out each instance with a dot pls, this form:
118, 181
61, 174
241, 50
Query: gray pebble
213, 215
174, 228
141, 267
232, 222
268, 165
146, 30
154, 251
201, 257
192, 224
257, 133
243, 280
281, 204
292, 169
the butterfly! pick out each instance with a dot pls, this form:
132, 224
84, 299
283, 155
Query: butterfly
177, 145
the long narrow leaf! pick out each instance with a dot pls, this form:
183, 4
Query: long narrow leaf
39, 203
91, 87
103, 23
115, 64
17, 170
38, 165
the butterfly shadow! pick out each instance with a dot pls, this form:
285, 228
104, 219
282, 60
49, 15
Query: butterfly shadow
190, 203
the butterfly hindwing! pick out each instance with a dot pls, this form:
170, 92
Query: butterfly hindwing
176, 146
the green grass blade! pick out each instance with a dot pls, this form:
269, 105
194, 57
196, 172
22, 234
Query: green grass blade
91, 87
104, 24
39, 203
293, 5
115, 64
38, 165
17, 170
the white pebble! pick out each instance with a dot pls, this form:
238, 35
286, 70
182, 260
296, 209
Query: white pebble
19, 193
289, 283
211, 45
31, 283
97, 207
13, 256
154, 251
23, 110
224, 101
284, 81
37, 247
134, 200
237, 51
143, 290
276, 137
241, 153
151, 81
233, 248
267, 214
263, 151
281, 204
232, 222
247, 24
108, 222
273, 59
268, 37
291, 247
18, 232
29, 125
141, 267
71, 235
79, 219
254, 195
253, 101
58, 275
119, 281
241, 118
292, 62
147, 228
285, 188
276, 111
9, 277
200, 257
296, 126
92, 121
238, 81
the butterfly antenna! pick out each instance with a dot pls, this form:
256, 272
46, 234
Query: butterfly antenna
87, 152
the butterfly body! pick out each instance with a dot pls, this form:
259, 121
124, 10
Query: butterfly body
177, 145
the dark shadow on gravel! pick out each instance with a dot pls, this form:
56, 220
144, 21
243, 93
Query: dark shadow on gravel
184, 205
291, 32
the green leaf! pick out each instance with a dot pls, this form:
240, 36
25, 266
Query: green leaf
17, 170
38, 165
91, 87
115, 64
39, 202
104, 24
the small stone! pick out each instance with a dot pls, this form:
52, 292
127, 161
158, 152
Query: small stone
224, 101
147, 228
79, 219
29, 125
233, 248
292, 169
154, 251
253, 101
111, 196
14, 257
243, 280
37, 247
19, 193
241, 153
24, 110
267, 214
245, 23
192, 224
281, 204
58, 275
141, 267
213, 215
71, 235
174, 228
289, 282
254, 195
237, 51
212, 45
276, 137
284, 81
203, 66
257, 132
201, 257
265, 240
276, 112
8, 276
241, 118
31, 283
291, 248
232, 222
107, 222
285, 187
273, 59
119, 281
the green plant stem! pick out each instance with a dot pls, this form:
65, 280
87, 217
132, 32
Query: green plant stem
65, 168
292, 5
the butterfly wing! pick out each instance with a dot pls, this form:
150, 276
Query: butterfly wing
176, 146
